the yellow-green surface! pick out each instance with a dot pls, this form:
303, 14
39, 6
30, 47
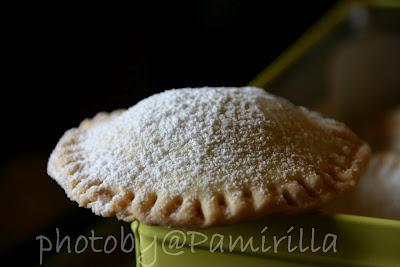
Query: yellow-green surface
360, 241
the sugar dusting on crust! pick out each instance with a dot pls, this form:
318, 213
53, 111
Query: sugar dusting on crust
196, 142
196, 139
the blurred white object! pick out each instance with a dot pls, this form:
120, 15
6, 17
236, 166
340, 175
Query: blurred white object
378, 192
364, 77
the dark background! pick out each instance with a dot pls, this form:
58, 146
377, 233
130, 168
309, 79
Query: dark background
66, 62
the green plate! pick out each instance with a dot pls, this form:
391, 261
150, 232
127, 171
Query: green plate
285, 241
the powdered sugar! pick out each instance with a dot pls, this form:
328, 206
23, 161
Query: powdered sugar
204, 156
194, 140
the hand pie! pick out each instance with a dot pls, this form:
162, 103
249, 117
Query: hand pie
207, 156
378, 192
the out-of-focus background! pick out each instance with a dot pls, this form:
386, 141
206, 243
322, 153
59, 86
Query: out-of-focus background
66, 62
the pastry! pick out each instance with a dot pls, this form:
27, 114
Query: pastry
207, 156
378, 192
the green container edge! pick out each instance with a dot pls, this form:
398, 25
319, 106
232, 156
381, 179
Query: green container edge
362, 241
